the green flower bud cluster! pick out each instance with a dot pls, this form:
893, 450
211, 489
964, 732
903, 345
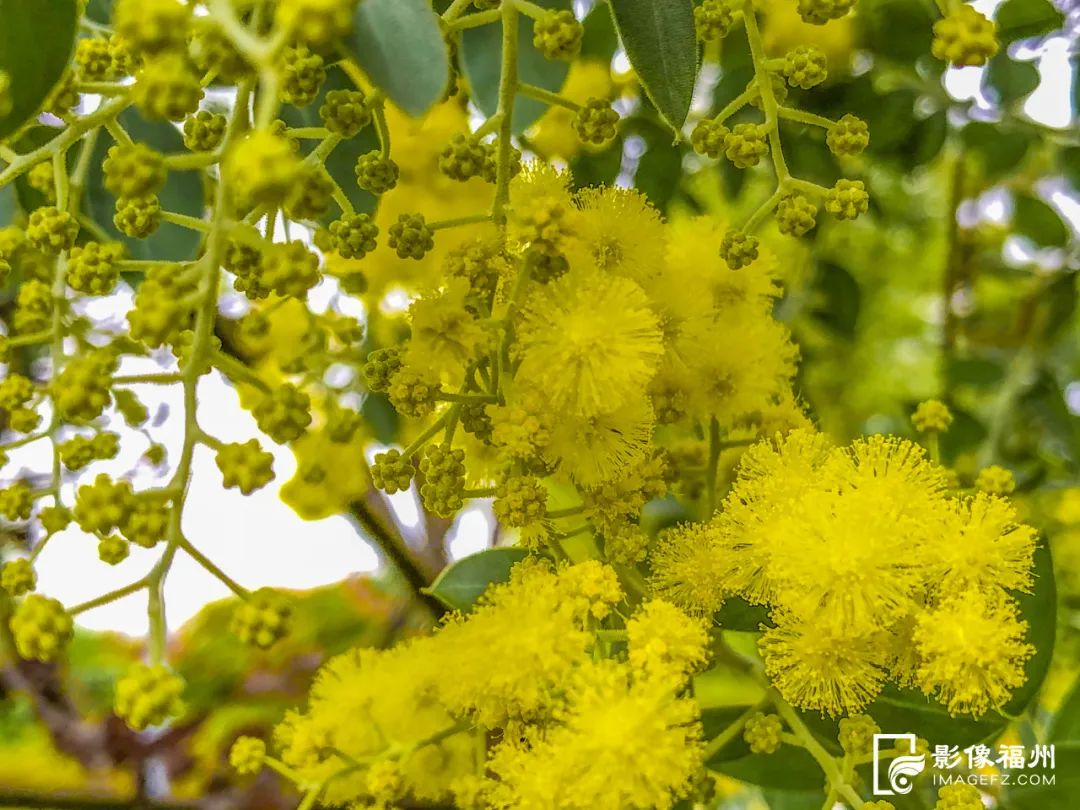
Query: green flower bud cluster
166, 88
81, 391
857, 734
33, 306
596, 122
316, 22
392, 472
796, 215
762, 733
152, 26
51, 230
520, 501
965, 37
380, 367
288, 269
245, 466
92, 267
94, 60
137, 217
805, 67
738, 249
413, 393
713, 19
708, 137
410, 237
847, 199
133, 170
160, 314
746, 144
466, 157
310, 197
558, 35
204, 131
353, 235
848, 136
79, 451
342, 424
475, 420
17, 577
113, 549
443, 469
302, 73
376, 173
147, 520
41, 628
262, 619
284, 413
103, 505
819, 12
148, 696
15, 391
345, 112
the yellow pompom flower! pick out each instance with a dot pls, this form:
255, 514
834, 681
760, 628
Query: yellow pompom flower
445, 333
553, 135
972, 652
621, 231
541, 208
821, 668
664, 641
590, 342
689, 570
594, 449
613, 724
996, 480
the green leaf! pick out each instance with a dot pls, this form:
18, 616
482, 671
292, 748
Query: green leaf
1065, 726
461, 584
400, 46
974, 371
182, 194
1039, 610
1011, 79
1070, 164
36, 40
1000, 150
481, 61
901, 31
9, 205
738, 614
928, 136
661, 45
902, 711
341, 162
789, 769
839, 299
600, 39
1039, 222
1019, 19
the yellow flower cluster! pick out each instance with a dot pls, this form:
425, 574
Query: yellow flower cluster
571, 710
870, 570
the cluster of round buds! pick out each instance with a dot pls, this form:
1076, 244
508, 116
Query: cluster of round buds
261, 168
776, 84
262, 619
302, 73
317, 22
345, 112
708, 137
147, 520
51, 230
247, 755
167, 89
848, 136
16, 501
133, 170
79, 451
289, 268
475, 420
713, 19
214, 53
738, 249
33, 306
410, 237
932, 416
284, 413
413, 393
380, 367
805, 66
596, 122
857, 734
847, 199
996, 480
965, 37
81, 391
41, 628
796, 215
819, 12
376, 173
137, 217
92, 267
520, 501
392, 472
245, 466
41, 179
113, 549
148, 696
342, 424
152, 26
102, 505
15, 391
353, 235
746, 144
466, 157
444, 479
204, 131
17, 577
160, 314
54, 519
959, 796
94, 60
762, 733
558, 35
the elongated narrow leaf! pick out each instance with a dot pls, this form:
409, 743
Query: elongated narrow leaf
400, 46
460, 585
661, 44
481, 60
36, 39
